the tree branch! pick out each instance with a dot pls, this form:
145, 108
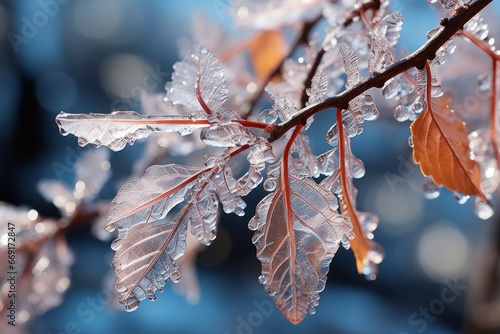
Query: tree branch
416, 59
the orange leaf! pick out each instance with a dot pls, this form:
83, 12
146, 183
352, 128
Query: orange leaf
266, 52
441, 148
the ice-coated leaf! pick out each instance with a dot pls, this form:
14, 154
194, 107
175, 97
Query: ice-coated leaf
198, 83
55, 192
149, 198
92, 172
120, 128
319, 85
189, 285
301, 146
147, 257
249, 181
282, 107
227, 135
350, 65
389, 28
297, 232
225, 187
381, 57
260, 153
441, 147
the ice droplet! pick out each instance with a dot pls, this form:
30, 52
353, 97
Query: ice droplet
431, 190
392, 88
410, 141
376, 255
131, 304
484, 210
151, 295
175, 276
82, 142
460, 198
262, 279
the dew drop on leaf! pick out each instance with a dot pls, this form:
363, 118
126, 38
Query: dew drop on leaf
262, 279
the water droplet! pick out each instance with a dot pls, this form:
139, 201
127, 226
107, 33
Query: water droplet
376, 254
410, 141
262, 279
392, 88
151, 295
82, 142
120, 287
400, 114
272, 293
270, 184
345, 242
175, 276
63, 131
131, 304
482, 209
460, 198
116, 244
431, 190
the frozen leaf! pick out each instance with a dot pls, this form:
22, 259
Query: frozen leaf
198, 83
120, 128
150, 198
319, 85
92, 172
147, 257
42, 274
55, 193
249, 181
301, 146
389, 28
189, 285
225, 187
228, 135
282, 107
350, 65
441, 147
297, 234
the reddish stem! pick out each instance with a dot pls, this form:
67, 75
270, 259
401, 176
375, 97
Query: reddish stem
359, 243
493, 114
285, 186
474, 40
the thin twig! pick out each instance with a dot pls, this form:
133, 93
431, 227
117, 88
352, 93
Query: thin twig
416, 59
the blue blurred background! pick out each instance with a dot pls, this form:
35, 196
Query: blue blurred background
91, 53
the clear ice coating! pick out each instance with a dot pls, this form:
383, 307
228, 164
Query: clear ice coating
120, 128
227, 135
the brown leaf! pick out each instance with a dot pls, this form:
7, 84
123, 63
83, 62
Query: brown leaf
266, 52
441, 148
